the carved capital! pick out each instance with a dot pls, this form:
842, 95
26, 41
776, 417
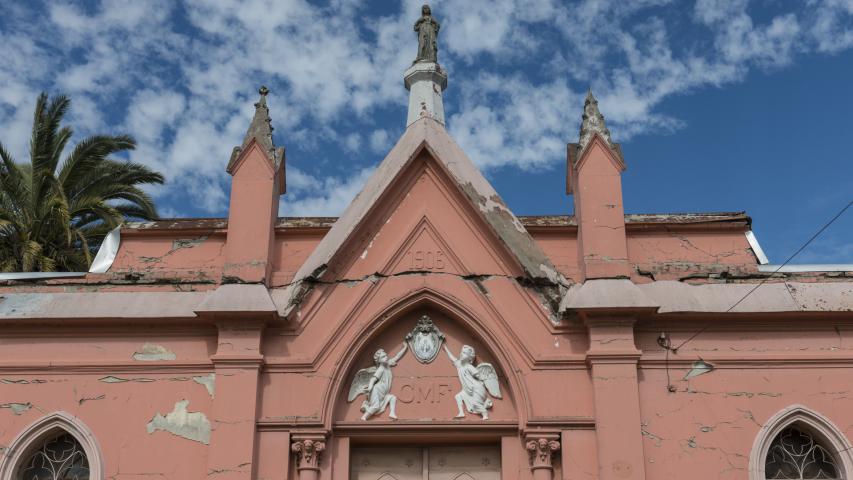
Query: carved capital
308, 453
541, 450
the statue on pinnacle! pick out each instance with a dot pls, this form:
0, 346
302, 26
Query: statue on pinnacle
427, 29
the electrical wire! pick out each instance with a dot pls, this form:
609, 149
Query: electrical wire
674, 350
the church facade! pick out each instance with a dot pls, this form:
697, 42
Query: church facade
429, 333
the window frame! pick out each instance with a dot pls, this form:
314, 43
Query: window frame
50, 425
809, 421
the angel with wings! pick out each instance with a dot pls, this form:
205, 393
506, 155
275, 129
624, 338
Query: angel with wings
477, 383
375, 383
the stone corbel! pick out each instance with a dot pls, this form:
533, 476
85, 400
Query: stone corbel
541, 449
308, 450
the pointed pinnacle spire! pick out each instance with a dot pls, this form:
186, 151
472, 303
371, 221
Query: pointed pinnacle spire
261, 127
261, 130
592, 122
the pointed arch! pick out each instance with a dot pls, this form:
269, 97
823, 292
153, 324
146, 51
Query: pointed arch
453, 309
809, 421
46, 427
387, 476
464, 476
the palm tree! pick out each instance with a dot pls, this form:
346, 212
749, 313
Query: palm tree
54, 215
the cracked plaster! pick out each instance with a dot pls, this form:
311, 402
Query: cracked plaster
17, 408
152, 353
208, 381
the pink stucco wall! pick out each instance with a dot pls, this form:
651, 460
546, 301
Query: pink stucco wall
194, 374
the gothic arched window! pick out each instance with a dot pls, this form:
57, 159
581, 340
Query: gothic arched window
55, 447
58, 457
796, 454
798, 443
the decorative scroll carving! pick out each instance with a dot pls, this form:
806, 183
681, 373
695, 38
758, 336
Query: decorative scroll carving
308, 453
541, 451
477, 383
375, 383
425, 340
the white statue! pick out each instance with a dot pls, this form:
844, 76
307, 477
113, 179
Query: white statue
477, 383
375, 383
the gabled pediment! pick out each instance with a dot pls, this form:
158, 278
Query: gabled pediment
598, 147
426, 137
425, 249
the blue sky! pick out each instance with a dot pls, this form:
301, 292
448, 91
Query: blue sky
720, 105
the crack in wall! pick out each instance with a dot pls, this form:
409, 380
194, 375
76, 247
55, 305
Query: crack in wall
112, 379
88, 399
549, 291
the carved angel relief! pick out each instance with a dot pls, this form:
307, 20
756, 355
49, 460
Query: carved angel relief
375, 383
478, 382
425, 340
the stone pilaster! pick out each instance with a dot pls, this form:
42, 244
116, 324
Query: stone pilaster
235, 403
541, 450
309, 455
613, 358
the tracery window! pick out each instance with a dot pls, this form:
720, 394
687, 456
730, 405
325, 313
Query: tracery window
796, 454
57, 458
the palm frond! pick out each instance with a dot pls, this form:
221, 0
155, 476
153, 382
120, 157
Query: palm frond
54, 215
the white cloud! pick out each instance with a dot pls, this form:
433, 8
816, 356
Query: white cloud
326, 196
528, 126
832, 24
352, 142
740, 40
380, 141
187, 96
151, 111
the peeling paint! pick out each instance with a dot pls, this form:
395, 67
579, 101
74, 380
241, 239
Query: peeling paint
209, 382
17, 408
87, 399
152, 353
190, 425
526, 220
22, 381
187, 242
112, 379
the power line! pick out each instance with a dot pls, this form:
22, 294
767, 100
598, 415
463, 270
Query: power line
668, 348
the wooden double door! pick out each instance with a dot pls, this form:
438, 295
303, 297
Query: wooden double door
426, 463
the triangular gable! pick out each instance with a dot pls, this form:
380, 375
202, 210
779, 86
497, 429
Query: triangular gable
430, 135
577, 157
424, 238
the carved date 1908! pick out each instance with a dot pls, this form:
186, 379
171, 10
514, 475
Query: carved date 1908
425, 259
